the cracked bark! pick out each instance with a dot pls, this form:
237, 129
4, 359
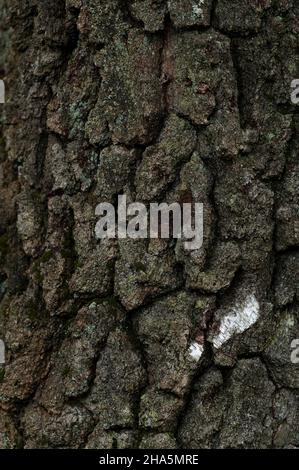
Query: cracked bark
163, 101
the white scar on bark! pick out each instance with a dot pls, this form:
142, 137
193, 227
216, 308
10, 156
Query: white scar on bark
239, 320
196, 351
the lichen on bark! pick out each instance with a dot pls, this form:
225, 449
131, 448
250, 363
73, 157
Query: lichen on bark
141, 343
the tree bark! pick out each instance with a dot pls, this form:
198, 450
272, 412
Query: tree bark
142, 343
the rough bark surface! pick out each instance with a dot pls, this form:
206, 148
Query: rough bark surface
126, 344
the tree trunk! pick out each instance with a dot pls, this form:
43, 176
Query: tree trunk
143, 343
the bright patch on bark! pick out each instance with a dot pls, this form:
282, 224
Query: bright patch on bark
197, 10
241, 318
196, 351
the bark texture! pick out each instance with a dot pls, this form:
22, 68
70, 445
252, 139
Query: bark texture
141, 343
